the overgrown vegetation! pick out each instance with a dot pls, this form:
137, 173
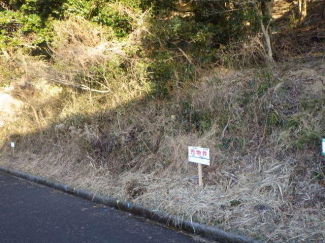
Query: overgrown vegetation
109, 94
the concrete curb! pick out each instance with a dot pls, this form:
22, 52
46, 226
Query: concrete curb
194, 228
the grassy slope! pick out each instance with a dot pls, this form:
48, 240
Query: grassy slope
263, 126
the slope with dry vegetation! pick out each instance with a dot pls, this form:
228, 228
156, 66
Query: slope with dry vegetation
115, 115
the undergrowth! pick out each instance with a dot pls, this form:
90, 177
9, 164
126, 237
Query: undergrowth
115, 101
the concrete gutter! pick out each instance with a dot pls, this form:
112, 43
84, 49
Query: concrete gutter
194, 228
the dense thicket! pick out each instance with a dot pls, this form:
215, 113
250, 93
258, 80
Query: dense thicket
208, 23
176, 35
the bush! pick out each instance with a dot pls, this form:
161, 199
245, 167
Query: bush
108, 14
43, 8
15, 26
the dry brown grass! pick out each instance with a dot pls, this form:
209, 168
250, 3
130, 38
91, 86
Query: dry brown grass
243, 53
262, 187
84, 57
88, 57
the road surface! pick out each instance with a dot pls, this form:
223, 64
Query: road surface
31, 213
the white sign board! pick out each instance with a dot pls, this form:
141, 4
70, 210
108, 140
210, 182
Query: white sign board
199, 155
323, 146
12, 144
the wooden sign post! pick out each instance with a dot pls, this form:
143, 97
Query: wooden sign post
201, 156
200, 174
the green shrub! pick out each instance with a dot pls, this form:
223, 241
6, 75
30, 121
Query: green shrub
15, 25
107, 14
43, 8
110, 16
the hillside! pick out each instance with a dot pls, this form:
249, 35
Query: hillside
100, 98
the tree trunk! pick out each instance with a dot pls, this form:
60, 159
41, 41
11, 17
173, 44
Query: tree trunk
267, 8
302, 5
268, 44
299, 6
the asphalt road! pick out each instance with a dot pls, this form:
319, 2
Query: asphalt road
31, 213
